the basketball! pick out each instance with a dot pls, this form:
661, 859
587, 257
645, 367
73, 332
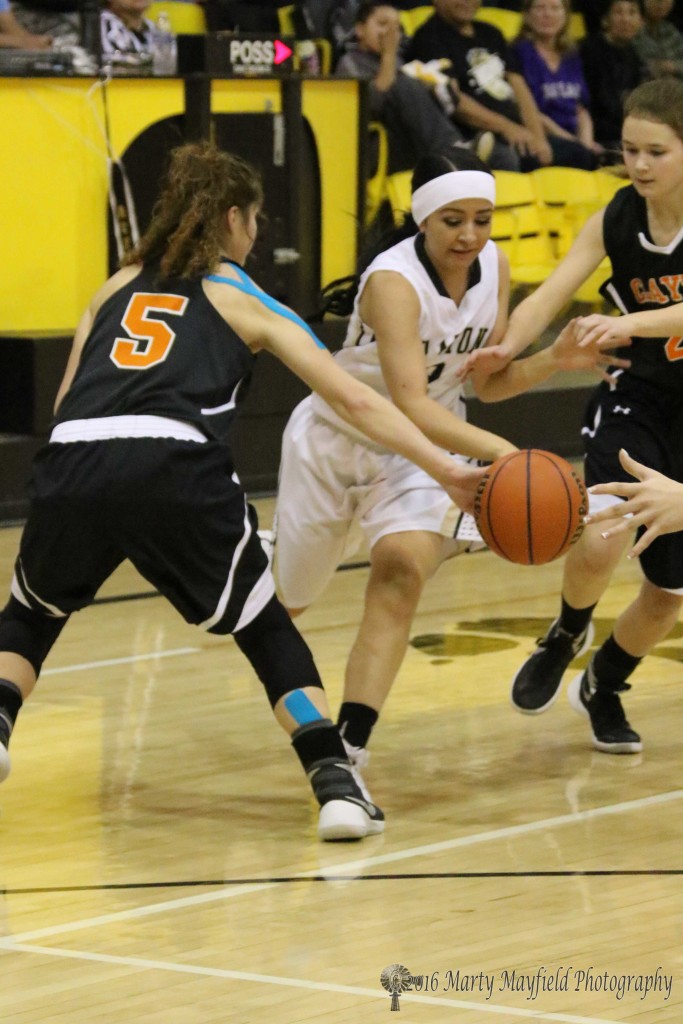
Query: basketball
529, 507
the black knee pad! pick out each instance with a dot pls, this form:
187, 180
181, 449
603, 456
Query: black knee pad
278, 653
28, 633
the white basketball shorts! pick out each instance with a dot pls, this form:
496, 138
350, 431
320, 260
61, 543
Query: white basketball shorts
333, 491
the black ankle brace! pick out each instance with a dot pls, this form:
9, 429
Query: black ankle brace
331, 780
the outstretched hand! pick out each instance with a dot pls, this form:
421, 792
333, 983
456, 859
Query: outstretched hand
572, 352
655, 502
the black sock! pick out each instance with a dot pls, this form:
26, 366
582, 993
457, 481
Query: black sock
575, 620
10, 705
318, 741
612, 665
356, 722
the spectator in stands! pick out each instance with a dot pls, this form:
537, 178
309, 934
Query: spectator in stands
57, 21
612, 68
125, 29
659, 44
550, 63
489, 78
414, 120
590, 10
14, 35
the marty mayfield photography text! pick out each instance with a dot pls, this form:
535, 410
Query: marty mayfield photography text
561, 979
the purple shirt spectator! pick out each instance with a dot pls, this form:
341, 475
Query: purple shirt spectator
4, 6
557, 93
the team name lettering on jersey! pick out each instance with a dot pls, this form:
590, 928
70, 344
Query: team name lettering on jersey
460, 343
654, 293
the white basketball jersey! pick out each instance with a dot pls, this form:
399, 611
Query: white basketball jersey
449, 332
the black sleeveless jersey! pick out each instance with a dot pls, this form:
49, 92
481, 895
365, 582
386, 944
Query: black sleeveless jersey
645, 276
160, 348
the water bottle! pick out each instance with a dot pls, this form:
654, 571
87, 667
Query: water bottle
307, 53
165, 54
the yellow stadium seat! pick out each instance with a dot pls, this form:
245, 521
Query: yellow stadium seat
609, 184
577, 26
412, 19
375, 189
405, 17
324, 47
508, 22
186, 18
519, 230
285, 17
567, 197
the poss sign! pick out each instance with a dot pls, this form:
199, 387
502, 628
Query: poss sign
251, 54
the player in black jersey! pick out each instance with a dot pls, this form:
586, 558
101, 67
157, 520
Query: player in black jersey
638, 409
138, 464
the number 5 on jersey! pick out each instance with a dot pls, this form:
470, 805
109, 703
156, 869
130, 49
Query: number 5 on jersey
149, 339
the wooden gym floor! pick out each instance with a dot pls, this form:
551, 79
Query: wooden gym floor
158, 853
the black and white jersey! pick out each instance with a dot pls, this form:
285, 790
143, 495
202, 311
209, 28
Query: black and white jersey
117, 37
449, 331
645, 277
160, 348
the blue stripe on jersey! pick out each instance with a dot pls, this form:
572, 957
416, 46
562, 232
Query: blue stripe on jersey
246, 285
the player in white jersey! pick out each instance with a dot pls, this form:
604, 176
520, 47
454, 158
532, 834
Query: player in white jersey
422, 307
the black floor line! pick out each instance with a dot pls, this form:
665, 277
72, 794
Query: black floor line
331, 876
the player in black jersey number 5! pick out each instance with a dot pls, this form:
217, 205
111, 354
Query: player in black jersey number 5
138, 464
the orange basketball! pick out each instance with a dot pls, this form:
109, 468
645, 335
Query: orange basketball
529, 507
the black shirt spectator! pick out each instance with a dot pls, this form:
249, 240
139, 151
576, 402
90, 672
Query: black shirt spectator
612, 68
493, 93
478, 62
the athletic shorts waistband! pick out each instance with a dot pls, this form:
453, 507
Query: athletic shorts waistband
107, 428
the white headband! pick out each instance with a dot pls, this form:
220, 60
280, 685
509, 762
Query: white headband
448, 188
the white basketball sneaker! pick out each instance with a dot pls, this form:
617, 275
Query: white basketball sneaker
358, 758
345, 813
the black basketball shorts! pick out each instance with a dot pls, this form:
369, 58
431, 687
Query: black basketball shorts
645, 420
174, 508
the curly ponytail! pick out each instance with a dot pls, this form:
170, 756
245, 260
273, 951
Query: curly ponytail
185, 234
